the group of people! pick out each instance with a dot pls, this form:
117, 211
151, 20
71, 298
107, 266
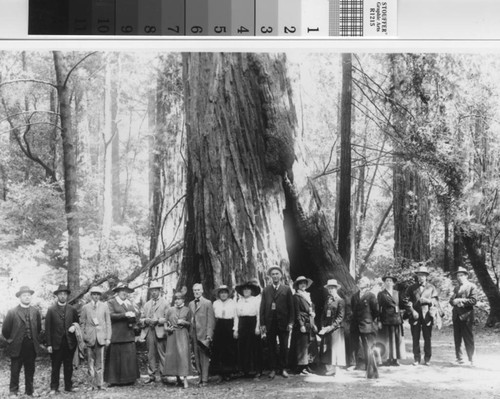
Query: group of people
229, 337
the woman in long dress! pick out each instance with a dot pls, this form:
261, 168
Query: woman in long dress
390, 318
223, 361
304, 327
247, 329
178, 353
121, 363
332, 347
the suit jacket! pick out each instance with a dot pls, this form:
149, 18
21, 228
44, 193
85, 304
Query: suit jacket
283, 299
421, 302
333, 313
364, 312
56, 328
14, 328
95, 333
467, 294
122, 327
154, 312
389, 307
203, 320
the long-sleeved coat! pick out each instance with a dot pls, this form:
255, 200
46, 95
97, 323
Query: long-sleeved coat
203, 320
389, 307
364, 312
91, 331
122, 327
157, 311
283, 299
14, 328
56, 328
419, 301
467, 296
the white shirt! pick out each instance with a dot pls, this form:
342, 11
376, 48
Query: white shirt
225, 310
247, 307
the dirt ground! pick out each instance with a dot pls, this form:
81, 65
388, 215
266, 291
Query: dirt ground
441, 380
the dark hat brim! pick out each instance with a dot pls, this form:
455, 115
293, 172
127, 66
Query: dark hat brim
254, 288
65, 290
391, 277
126, 289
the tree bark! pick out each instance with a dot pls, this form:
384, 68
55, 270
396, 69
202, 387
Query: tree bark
115, 141
70, 172
344, 240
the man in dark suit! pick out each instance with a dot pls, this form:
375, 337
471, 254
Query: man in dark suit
364, 307
420, 301
21, 329
61, 339
463, 300
202, 331
276, 318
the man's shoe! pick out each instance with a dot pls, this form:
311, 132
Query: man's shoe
416, 363
460, 362
150, 380
272, 374
427, 363
284, 374
351, 368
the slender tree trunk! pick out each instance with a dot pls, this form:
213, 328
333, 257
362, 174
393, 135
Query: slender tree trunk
70, 173
107, 219
115, 141
345, 161
458, 252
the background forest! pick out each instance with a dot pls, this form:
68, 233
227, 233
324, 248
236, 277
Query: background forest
211, 167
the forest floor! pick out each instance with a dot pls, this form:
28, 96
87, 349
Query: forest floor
441, 380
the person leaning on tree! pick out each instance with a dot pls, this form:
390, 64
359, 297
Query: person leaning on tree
153, 331
276, 318
21, 329
420, 301
463, 300
60, 325
96, 329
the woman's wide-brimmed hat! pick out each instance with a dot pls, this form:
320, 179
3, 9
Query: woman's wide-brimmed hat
422, 270
274, 268
460, 270
62, 288
301, 279
123, 287
393, 278
332, 283
23, 290
223, 287
96, 290
254, 288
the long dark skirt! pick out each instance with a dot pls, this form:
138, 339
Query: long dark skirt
249, 349
299, 348
121, 364
393, 341
224, 348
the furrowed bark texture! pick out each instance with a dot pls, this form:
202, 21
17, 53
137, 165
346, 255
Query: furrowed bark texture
240, 125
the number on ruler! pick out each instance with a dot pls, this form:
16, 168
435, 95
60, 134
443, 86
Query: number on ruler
150, 29
102, 28
196, 29
242, 29
290, 29
312, 30
177, 29
220, 29
127, 29
266, 29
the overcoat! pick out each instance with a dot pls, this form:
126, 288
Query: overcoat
122, 326
14, 327
389, 306
467, 294
365, 311
56, 327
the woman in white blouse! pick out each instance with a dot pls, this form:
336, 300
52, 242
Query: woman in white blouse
223, 360
247, 329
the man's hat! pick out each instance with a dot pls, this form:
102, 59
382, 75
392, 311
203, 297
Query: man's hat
62, 288
222, 288
300, 279
123, 287
389, 276
422, 270
155, 286
255, 288
274, 268
24, 289
460, 270
332, 283
96, 290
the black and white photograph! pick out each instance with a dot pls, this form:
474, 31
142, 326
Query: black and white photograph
294, 224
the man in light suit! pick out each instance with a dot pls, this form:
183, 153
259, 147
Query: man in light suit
276, 319
21, 329
153, 331
96, 328
463, 300
61, 339
202, 331
420, 301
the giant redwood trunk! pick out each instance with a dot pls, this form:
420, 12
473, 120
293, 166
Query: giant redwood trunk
239, 127
70, 172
